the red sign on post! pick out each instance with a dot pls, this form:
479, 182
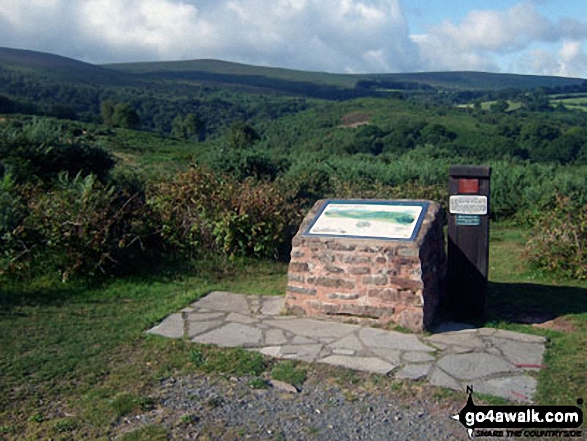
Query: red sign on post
468, 186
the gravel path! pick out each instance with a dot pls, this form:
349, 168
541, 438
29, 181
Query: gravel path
217, 408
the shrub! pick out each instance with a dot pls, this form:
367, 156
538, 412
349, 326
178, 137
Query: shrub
245, 162
559, 240
12, 207
81, 228
203, 211
12, 213
40, 150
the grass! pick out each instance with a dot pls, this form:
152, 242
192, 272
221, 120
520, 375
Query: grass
81, 354
518, 296
572, 104
288, 372
76, 360
486, 105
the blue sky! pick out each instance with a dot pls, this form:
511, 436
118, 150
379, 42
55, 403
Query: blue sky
424, 13
543, 37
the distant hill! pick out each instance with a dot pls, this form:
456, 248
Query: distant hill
228, 72
58, 68
208, 69
480, 80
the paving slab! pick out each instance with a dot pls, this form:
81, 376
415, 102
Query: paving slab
307, 353
493, 361
312, 328
417, 357
519, 388
392, 340
414, 371
272, 306
518, 336
521, 353
300, 340
438, 377
349, 342
171, 327
195, 328
241, 318
367, 364
195, 316
393, 356
231, 335
223, 301
275, 337
474, 365
442, 341
344, 351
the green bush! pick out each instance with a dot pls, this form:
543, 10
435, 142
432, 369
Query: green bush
203, 211
80, 228
244, 163
12, 213
559, 241
12, 207
40, 150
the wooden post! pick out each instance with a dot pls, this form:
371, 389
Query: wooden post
468, 242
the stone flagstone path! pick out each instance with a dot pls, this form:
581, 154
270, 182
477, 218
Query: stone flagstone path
493, 361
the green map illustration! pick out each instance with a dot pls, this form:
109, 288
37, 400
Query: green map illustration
382, 216
373, 220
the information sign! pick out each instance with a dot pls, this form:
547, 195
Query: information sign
468, 220
468, 204
393, 220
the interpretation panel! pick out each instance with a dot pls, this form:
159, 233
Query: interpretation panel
391, 220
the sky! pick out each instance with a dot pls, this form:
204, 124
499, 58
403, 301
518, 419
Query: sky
543, 37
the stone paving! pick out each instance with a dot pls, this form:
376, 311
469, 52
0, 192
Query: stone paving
493, 361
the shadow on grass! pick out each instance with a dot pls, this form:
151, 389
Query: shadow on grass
14, 295
529, 303
50, 291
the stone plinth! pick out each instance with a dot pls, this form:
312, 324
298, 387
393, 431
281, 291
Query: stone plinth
391, 280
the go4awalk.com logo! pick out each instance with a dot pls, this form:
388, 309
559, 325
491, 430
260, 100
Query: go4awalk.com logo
521, 421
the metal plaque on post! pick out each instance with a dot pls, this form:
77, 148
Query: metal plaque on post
468, 242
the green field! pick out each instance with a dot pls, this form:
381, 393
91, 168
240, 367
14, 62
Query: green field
578, 102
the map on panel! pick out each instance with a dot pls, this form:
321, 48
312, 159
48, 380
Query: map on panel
394, 220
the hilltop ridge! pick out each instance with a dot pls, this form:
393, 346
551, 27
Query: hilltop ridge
283, 80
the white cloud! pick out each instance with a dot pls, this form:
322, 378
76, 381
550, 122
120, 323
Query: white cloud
485, 37
336, 35
569, 61
155, 28
326, 35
